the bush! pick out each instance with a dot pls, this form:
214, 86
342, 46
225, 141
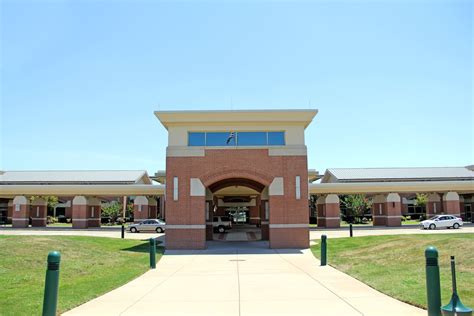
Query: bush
51, 220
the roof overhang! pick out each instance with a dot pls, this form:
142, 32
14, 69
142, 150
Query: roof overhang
95, 190
241, 117
387, 187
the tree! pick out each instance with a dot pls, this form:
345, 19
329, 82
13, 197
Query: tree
50, 199
113, 210
356, 205
421, 199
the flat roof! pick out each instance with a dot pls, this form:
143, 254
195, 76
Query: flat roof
397, 174
274, 116
75, 177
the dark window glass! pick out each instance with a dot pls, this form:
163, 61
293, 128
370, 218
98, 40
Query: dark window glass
252, 138
196, 139
220, 139
276, 138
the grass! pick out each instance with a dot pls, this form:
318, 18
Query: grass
90, 267
395, 265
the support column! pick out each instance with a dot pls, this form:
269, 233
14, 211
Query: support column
379, 214
39, 211
264, 219
94, 212
152, 208
433, 206
394, 210
186, 221
254, 212
321, 210
140, 209
10, 212
68, 209
462, 210
209, 217
79, 212
288, 203
333, 211
451, 203
20, 214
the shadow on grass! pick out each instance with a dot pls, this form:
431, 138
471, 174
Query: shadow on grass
145, 248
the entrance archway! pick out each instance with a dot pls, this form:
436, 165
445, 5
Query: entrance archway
237, 210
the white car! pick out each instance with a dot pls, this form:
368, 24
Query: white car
440, 221
148, 225
221, 224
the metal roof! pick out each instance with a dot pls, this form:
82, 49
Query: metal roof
397, 174
75, 177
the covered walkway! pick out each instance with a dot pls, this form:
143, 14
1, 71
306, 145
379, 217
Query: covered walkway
244, 278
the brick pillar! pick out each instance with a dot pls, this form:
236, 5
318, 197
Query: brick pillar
394, 210
333, 211
94, 209
461, 207
152, 208
264, 217
433, 206
186, 218
379, 214
288, 199
451, 203
163, 207
20, 213
254, 212
68, 209
9, 211
321, 210
140, 209
79, 212
39, 210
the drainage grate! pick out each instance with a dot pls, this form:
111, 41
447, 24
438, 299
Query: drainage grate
236, 260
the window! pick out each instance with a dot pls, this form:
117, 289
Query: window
251, 138
175, 189
196, 139
220, 139
298, 187
276, 138
231, 138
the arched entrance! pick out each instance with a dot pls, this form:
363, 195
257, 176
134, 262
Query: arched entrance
237, 210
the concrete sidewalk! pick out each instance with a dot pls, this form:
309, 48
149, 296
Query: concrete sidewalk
244, 279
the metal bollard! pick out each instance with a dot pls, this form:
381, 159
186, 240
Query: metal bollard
123, 231
50, 301
433, 290
350, 230
324, 250
455, 306
152, 253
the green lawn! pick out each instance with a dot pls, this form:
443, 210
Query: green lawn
90, 266
395, 265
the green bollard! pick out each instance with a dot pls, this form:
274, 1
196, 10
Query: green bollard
433, 290
455, 307
350, 230
323, 250
50, 301
152, 253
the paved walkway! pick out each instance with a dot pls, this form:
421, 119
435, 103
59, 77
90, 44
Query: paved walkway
235, 278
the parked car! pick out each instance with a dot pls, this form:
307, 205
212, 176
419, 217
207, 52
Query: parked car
221, 224
148, 225
440, 221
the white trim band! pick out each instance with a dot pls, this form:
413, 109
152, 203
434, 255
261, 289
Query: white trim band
329, 218
185, 227
38, 218
20, 219
264, 222
79, 219
289, 225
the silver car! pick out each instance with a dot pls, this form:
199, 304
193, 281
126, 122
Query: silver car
148, 225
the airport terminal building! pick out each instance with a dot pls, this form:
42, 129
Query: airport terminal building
250, 165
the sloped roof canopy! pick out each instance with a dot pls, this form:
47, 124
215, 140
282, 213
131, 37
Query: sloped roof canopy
344, 175
75, 177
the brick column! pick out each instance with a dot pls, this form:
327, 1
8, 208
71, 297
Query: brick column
79, 212
333, 211
321, 210
20, 214
68, 210
152, 208
39, 211
433, 206
379, 214
461, 207
264, 219
140, 209
9, 211
451, 204
94, 212
394, 210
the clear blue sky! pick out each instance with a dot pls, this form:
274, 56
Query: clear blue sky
80, 79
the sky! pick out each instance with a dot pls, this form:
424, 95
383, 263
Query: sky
392, 80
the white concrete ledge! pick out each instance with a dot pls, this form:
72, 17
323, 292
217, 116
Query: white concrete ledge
93, 189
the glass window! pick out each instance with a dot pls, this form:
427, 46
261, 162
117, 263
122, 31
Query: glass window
220, 139
276, 138
251, 138
196, 139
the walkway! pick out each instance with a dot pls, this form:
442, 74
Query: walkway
244, 278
